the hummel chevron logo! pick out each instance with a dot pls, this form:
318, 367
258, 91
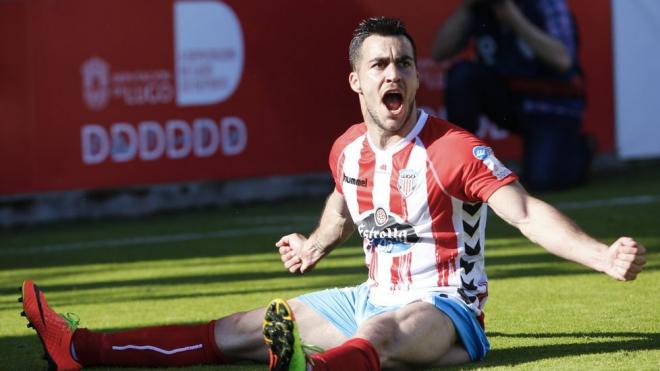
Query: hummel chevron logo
467, 267
472, 208
467, 298
473, 250
469, 286
470, 229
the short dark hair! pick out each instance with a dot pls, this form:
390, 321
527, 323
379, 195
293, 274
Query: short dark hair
383, 26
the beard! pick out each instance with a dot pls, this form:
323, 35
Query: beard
374, 116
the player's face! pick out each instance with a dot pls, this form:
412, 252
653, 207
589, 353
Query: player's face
386, 79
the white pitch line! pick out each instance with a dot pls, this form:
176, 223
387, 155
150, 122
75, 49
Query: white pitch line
156, 239
616, 201
150, 240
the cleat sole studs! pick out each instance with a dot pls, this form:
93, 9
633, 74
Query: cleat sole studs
23, 314
20, 300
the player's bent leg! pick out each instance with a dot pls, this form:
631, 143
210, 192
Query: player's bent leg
416, 335
345, 310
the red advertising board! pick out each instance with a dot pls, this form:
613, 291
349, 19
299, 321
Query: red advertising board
115, 93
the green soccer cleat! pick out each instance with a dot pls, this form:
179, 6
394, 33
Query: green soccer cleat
286, 350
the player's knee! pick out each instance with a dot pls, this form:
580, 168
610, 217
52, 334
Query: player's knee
239, 333
384, 334
244, 323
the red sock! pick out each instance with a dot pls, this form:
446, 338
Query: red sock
178, 345
354, 355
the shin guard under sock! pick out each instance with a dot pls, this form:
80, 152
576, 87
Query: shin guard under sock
354, 355
158, 346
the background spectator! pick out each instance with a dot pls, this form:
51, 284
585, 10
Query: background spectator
527, 79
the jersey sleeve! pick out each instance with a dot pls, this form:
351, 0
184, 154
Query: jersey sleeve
468, 168
483, 174
335, 159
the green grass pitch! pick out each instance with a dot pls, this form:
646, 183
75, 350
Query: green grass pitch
542, 312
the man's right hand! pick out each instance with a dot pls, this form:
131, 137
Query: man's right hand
298, 253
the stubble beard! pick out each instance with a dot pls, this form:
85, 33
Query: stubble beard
381, 125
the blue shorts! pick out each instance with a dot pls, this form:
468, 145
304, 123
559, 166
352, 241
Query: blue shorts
347, 308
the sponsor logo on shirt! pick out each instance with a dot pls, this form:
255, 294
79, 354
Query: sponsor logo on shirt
385, 233
360, 182
485, 154
380, 217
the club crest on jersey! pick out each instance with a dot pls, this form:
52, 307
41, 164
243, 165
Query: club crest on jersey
380, 217
407, 182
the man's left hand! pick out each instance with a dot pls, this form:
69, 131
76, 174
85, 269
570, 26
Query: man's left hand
625, 259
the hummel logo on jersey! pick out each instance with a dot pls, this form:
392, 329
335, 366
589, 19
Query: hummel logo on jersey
355, 181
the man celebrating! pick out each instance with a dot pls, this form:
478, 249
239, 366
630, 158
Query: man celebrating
416, 188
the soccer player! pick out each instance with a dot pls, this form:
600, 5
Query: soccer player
416, 188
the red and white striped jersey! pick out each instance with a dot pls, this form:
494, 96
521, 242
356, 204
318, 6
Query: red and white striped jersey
419, 206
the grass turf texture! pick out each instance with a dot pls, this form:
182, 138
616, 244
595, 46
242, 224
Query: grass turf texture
542, 313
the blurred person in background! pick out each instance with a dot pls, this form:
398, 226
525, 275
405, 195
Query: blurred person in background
526, 78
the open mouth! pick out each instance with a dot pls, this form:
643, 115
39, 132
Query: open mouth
393, 101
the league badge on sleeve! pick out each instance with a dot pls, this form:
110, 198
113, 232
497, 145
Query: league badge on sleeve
482, 152
486, 155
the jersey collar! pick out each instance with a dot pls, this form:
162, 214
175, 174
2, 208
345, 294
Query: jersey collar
419, 125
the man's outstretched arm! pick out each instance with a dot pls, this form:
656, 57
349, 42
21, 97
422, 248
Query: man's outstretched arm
299, 254
546, 226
